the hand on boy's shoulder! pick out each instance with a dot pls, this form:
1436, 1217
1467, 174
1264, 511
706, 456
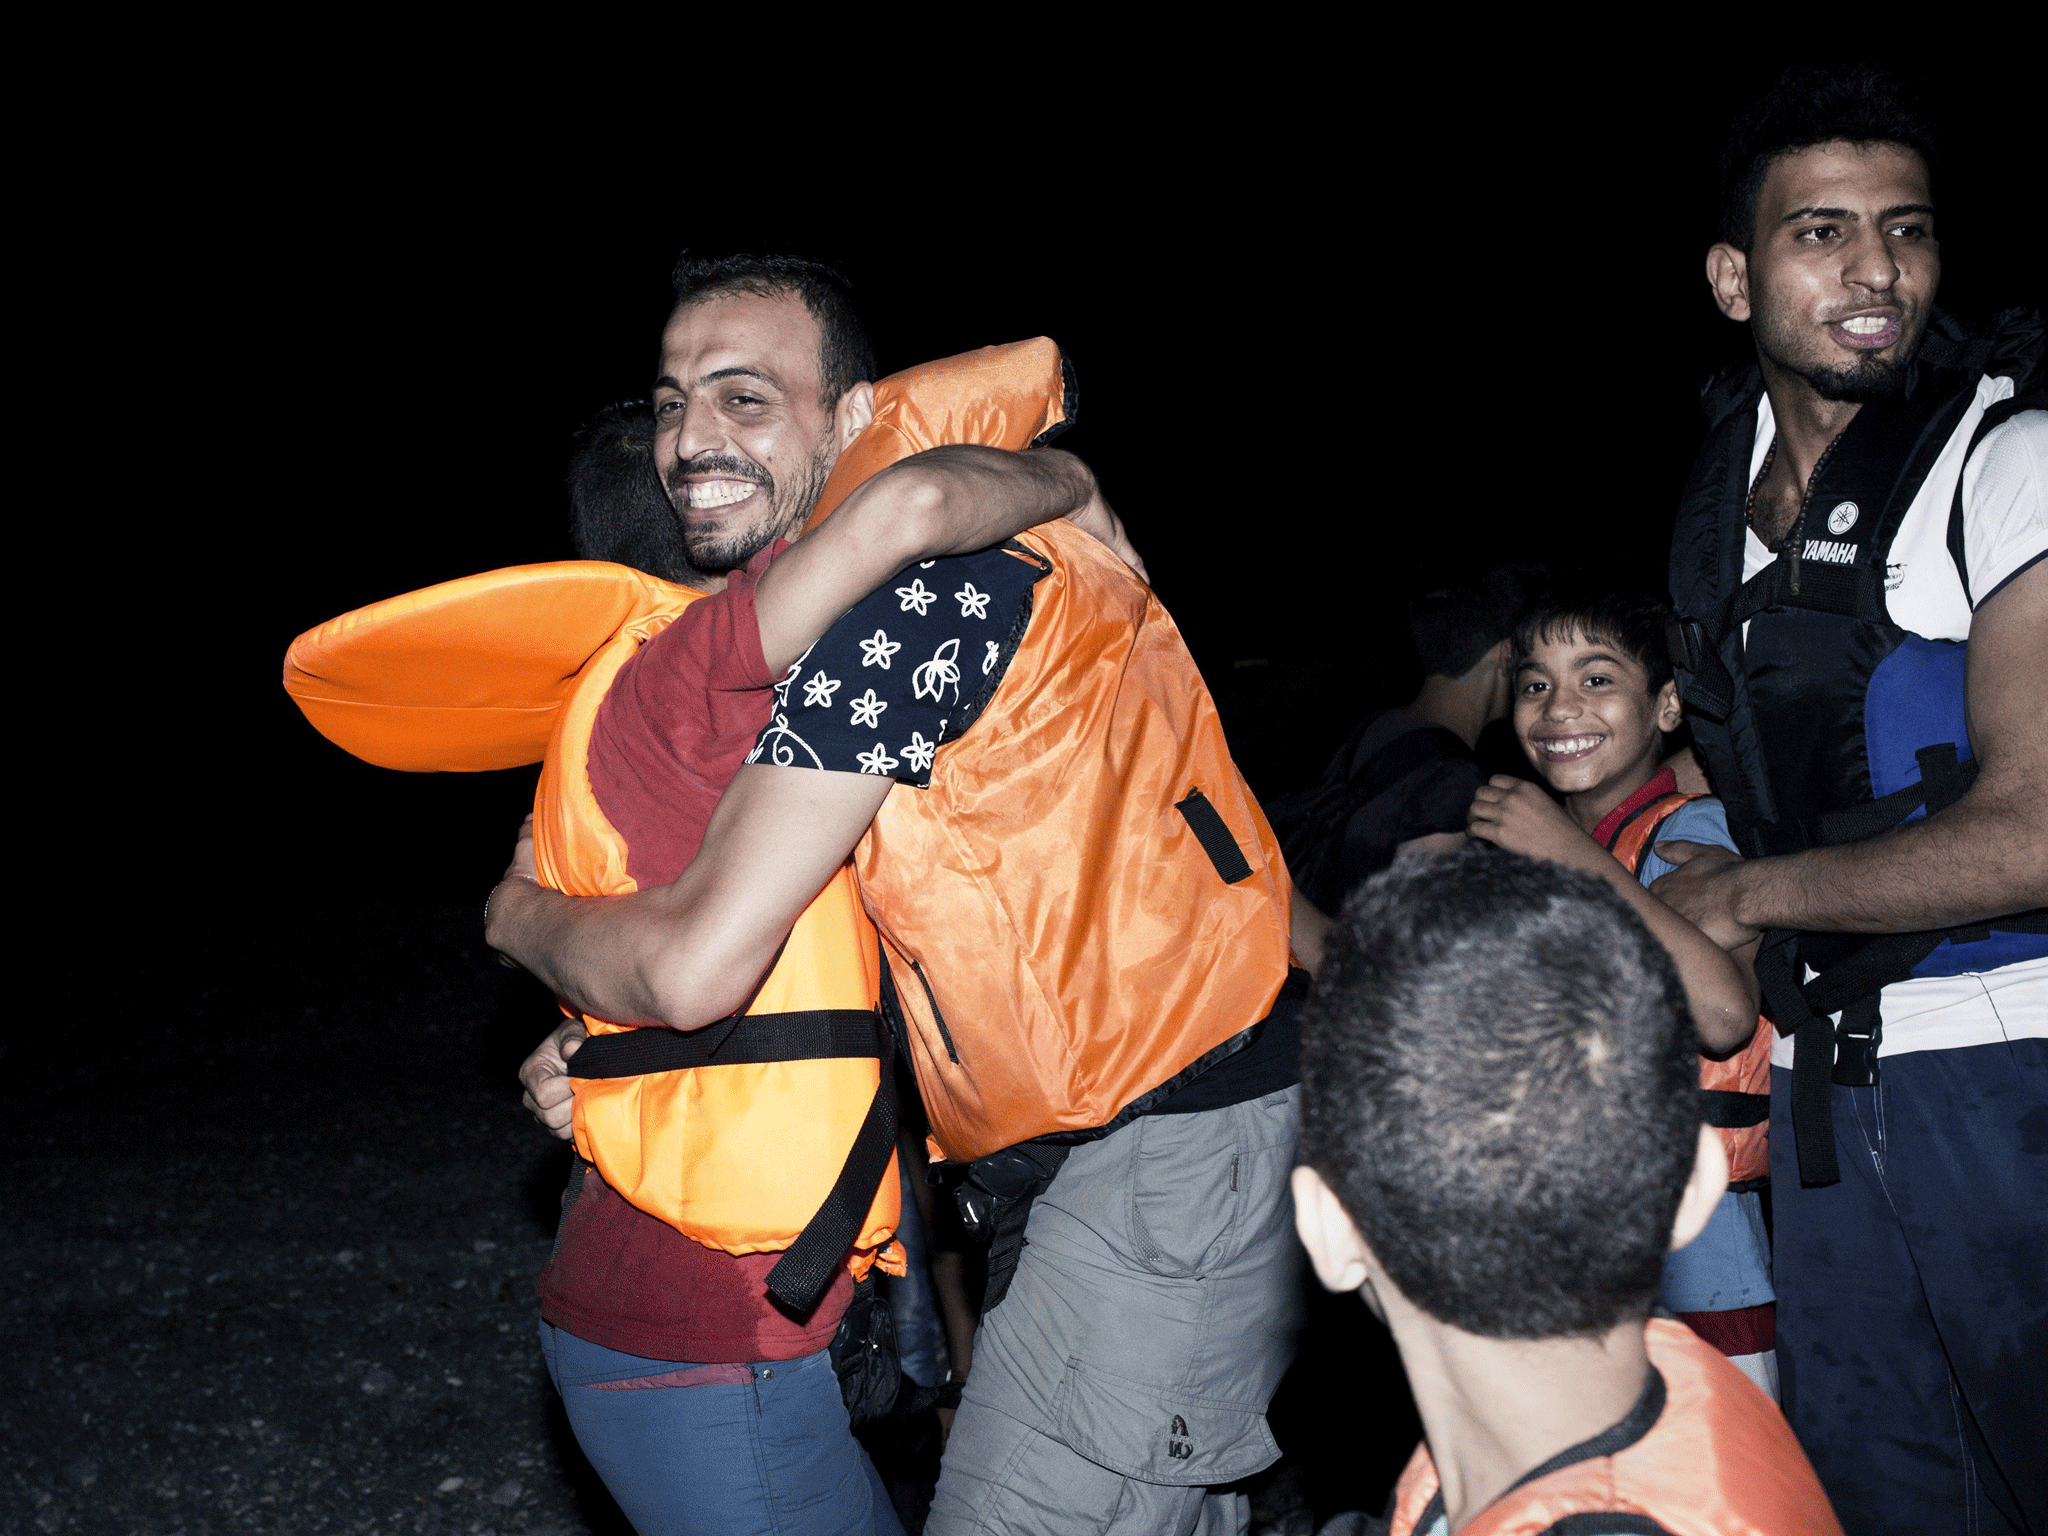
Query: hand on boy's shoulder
1521, 817
1702, 890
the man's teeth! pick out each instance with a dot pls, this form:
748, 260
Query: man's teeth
719, 493
1865, 325
1567, 746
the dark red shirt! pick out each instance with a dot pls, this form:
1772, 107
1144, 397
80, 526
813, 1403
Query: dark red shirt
680, 717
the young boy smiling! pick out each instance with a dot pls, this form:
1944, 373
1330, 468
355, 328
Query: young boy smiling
1593, 701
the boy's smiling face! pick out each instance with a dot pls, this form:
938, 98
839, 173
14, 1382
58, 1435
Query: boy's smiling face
1586, 716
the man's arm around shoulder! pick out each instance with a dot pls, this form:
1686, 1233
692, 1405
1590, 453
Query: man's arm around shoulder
690, 953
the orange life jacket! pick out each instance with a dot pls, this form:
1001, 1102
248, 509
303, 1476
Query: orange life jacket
1736, 1091
1719, 1461
767, 1125
1087, 906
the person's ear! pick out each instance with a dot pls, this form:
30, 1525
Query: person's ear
851, 416
1728, 276
1669, 711
1703, 1191
1334, 1247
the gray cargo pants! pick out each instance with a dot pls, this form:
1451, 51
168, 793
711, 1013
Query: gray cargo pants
1153, 1313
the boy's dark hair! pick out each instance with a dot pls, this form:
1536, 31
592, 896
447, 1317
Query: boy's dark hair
1500, 1083
617, 508
1809, 105
845, 355
1633, 624
1453, 627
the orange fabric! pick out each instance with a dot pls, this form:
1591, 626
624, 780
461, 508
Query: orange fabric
499, 669
738, 1157
465, 676
1749, 1069
1077, 939
1719, 1461
509, 667
999, 397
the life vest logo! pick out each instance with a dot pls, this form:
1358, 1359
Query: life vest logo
1843, 518
1828, 553
1176, 1447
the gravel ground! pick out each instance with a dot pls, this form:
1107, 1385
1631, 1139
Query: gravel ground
273, 1238
273, 1249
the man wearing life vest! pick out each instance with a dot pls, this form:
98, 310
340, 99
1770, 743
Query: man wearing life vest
729, 1184
1085, 931
1862, 617
1500, 1140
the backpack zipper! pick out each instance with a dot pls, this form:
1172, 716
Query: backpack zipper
938, 1018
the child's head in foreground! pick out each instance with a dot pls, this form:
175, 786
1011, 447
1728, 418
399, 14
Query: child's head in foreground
1593, 693
1500, 1087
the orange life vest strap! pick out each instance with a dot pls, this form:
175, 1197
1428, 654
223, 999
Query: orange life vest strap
1735, 1092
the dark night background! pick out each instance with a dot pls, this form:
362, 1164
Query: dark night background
1334, 344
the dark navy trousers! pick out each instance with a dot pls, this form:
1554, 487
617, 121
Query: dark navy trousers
1913, 1295
757, 1449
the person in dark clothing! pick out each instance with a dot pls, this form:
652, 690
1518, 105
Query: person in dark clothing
618, 508
1409, 773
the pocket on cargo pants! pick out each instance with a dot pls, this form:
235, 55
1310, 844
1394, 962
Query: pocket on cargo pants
1185, 1195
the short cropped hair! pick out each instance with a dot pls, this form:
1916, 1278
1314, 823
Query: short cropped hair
1500, 1083
845, 355
618, 510
1633, 623
1453, 627
1809, 105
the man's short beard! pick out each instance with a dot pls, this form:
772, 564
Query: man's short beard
1868, 378
1873, 378
716, 549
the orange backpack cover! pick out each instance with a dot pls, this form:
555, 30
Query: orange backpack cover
509, 667
1087, 904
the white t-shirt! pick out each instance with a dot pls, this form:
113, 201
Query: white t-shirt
2005, 530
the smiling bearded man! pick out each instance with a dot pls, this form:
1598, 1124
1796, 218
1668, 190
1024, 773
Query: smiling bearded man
1863, 614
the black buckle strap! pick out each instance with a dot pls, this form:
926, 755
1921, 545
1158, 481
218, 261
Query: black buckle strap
1708, 689
818, 1035
1943, 779
800, 1276
1813, 1041
1856, 1040
1726, 1110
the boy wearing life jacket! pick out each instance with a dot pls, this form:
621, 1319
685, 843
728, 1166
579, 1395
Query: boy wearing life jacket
1500, 1141
1593, 700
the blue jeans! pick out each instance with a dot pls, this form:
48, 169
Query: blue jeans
1913, 1295
728, 1449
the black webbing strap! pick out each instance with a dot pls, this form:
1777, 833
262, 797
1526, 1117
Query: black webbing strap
800, 1276
1813, 1041
1942, 782
819, 1035
1812, 584
1215, 837
1707, 688
1869, 968
1726, 1110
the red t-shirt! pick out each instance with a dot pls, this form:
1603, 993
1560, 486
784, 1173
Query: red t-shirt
680, 717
